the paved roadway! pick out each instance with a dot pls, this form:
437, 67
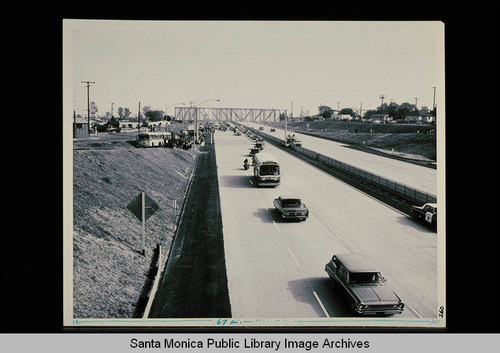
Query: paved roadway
275, 269
419, 177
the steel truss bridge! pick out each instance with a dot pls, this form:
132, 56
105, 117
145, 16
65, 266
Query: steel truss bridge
228, 114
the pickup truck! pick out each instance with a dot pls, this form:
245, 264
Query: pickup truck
291, 207
426, 214
367, 289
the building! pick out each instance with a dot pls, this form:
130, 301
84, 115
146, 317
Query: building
124, 124
341, 117
80, 128
419, 119
379, 118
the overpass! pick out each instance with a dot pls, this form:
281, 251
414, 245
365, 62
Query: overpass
255, 115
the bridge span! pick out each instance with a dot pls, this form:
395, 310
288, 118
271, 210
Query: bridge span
255, 115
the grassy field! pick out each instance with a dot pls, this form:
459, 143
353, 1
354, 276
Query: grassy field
412, 140
109, 172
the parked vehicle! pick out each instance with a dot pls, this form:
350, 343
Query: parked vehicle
266, 169
261, 127
153, 139
291, 207
367, 289
426, 214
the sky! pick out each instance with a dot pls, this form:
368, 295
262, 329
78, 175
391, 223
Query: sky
288, 65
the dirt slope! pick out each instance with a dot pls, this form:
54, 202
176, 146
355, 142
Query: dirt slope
109, 173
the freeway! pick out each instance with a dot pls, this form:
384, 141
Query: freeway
415, 176
275, 269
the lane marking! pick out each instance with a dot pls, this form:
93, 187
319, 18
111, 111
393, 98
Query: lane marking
309, 283
415, 312
339, 237
293, 255
339, 201
250, 180
321, 304
277, 227
366, 219
400, 243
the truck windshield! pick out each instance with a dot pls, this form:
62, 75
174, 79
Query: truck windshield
267, 169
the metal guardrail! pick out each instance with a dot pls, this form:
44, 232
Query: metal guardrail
402, 191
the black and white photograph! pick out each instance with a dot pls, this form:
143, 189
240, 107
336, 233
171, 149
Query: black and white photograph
254, 174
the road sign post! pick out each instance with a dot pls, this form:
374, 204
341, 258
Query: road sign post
143, 207
143, 217
175, 213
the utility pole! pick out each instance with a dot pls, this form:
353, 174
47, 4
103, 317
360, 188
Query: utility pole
291, 111
301, 112
416, 101
338, 106
112, 110
361, 110
381, 104
88, 101
139, 117
434, 102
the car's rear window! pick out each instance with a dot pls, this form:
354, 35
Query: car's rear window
291, 203
364, 277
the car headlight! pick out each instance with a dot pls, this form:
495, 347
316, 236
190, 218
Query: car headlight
400, 306
360, 307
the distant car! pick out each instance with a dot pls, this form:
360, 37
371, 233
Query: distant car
291, 207
237, 132
254, 150
261, 127
291, 139
273, 130
426, 214
364, 284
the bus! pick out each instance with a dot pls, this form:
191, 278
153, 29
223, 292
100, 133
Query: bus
266, 169
153, 139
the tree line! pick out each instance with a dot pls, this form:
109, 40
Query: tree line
147, 114
393, 110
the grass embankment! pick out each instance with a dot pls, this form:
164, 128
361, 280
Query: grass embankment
411, 140
109, 271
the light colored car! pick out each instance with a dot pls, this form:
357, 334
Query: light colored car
364, 284
291, 207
